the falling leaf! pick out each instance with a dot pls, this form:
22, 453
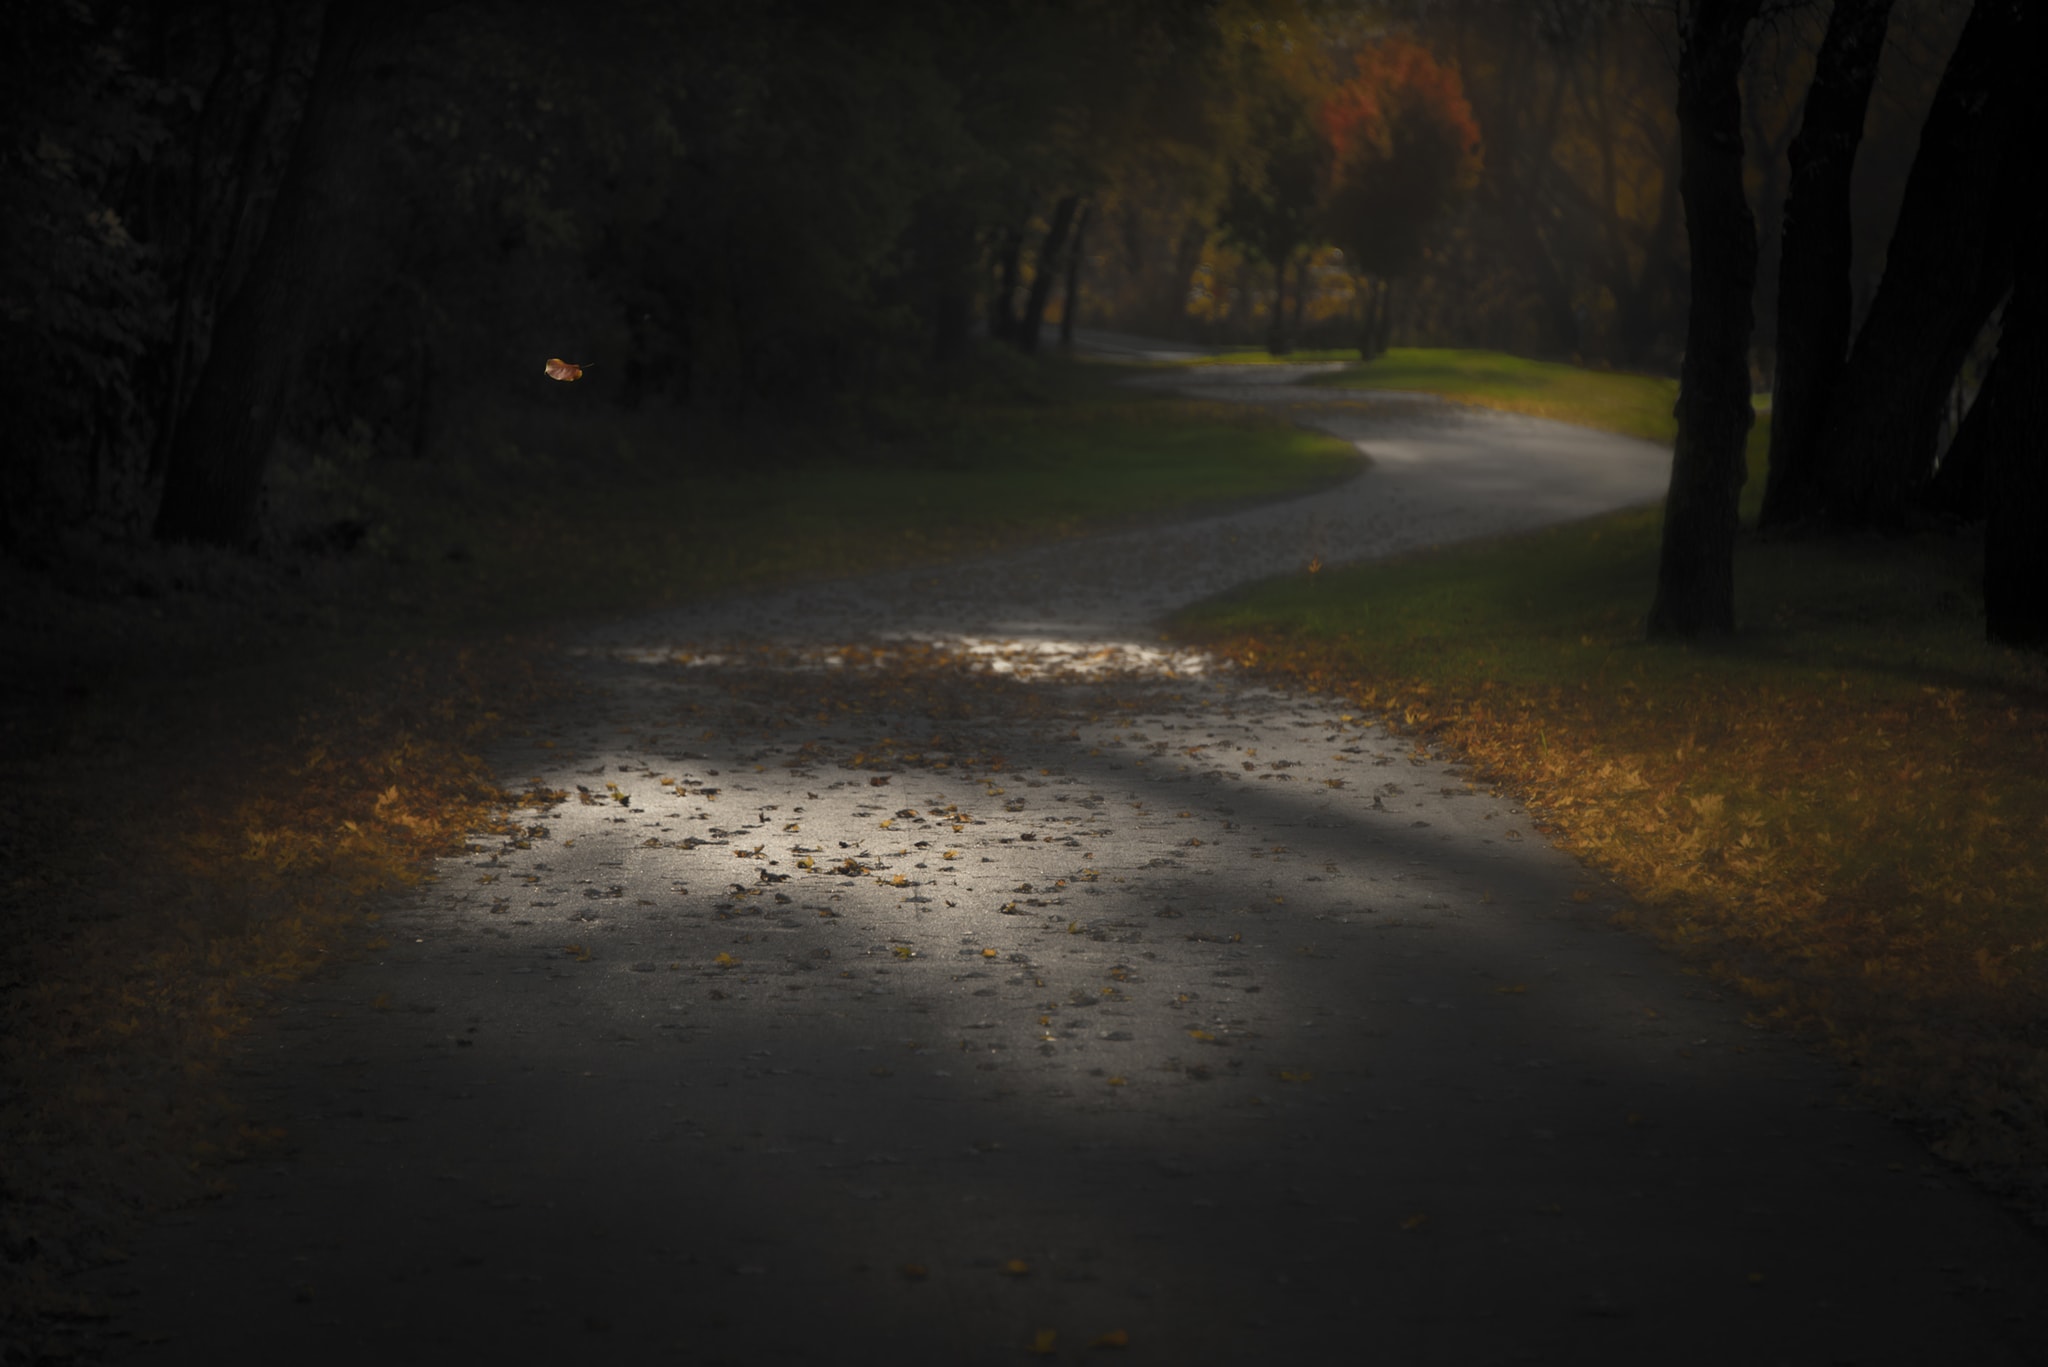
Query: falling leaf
1514, 991
916, 1272
1042, 1343
1286, 1075
381, 1002
1016, 1267
1203, 1035
1115, 1338
725, 960
559, 369
1119, 1082
988, 954
1414, 1222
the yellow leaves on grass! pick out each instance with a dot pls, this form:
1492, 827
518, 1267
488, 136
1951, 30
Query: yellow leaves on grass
1861, 859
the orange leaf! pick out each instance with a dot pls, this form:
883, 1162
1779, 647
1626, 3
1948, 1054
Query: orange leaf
559, 369
1115, 1338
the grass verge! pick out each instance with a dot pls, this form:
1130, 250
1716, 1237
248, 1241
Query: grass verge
1840, 812
229, 770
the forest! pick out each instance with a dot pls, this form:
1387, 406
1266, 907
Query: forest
244, 239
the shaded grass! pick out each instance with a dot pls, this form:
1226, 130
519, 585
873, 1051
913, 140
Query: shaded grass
1841, 812
299, 763
658, 516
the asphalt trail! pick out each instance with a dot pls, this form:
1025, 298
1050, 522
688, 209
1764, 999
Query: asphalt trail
935, 967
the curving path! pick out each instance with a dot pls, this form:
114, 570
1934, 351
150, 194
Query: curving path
936, 968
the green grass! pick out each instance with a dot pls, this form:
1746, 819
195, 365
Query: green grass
1638, 405
1839, 811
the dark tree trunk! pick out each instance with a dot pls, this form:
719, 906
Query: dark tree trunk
1958, 485
2016, 456
1276, 328
1002, 313
1070, 302
213, 487
1696, 564
1876, 428
1029, 326
1187, 259
210, 252
1813, 271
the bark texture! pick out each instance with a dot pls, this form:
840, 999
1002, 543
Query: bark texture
1696, 563
213, 484
1881, 422
1050, 250
1814, 299
2016, 449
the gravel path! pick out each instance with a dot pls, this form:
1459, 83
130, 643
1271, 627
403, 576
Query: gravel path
935, 968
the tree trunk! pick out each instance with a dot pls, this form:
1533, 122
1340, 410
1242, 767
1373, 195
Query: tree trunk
1049, 250
1958, 485
1876, 426
1301, 264
1002, 313
213, 487
1813, 272
1070, 303
1276, 331
2016, 456
1187, 259
1696, 564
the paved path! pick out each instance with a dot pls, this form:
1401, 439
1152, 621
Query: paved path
938, 966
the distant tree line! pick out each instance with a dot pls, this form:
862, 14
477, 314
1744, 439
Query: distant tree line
226, 223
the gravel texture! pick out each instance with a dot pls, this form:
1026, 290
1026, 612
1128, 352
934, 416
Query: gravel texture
936, 967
